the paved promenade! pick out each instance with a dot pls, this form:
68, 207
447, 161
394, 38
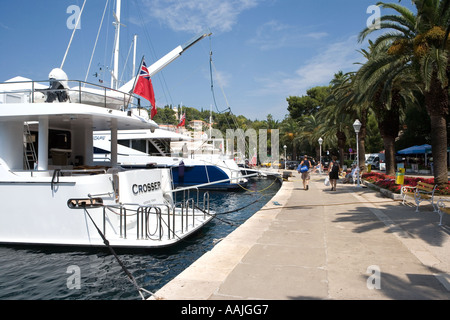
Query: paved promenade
320, 244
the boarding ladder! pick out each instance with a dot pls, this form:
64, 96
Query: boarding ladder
159, 146
29, 151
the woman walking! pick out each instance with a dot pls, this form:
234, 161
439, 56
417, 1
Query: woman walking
333, 172
303, 168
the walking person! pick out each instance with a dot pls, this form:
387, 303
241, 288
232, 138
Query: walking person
303, 169
333, 172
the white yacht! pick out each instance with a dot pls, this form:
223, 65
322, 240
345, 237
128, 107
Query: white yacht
189, 167
53, 194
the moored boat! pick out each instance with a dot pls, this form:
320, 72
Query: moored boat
54, 194
147, 148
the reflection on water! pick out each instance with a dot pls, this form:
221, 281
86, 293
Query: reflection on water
35, 273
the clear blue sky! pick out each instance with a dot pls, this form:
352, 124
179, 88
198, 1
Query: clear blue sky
263, 50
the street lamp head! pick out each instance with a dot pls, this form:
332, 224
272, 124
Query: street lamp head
320, 141
357, 125
285, 147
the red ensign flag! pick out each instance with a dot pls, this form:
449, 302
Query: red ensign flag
182, 121
144, 87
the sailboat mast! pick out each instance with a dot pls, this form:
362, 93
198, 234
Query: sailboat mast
115, 73
133, 72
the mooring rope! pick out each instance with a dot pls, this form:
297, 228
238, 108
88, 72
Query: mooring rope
259, 191
214, 216
128, 273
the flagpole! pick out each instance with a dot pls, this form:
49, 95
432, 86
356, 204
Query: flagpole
135, 79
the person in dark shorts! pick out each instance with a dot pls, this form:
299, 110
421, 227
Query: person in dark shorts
333, 172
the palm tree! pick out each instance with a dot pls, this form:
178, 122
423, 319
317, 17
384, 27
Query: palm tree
345, 97
289, 130
337, 125
387, 85
432, 50
310, 132
421, 42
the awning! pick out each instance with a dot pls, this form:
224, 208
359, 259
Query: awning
426, 148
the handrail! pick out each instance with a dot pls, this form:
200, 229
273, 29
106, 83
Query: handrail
78, 89
165, 224
78, 171
205, 204
72, 171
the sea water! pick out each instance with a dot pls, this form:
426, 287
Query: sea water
35, 273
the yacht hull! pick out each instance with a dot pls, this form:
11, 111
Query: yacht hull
67, 211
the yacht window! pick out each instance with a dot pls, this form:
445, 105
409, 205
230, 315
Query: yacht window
59, 139
139, 145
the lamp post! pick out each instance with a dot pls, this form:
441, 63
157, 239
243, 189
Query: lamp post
357, 126
285, 159
320, 154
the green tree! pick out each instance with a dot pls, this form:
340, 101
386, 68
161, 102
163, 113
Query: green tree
346, 99
421, 42
374, 141
308, 104
311, 129
337, 127
165, 115
415, 127
289, 136
387, 85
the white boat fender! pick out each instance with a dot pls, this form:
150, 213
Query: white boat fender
168, 199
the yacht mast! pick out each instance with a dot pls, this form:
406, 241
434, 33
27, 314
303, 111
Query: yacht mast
115, 72
133, 72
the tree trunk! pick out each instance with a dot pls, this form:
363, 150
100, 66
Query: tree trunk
389, 123
342, 139
294, 150
439, 149
436, 101
389, 149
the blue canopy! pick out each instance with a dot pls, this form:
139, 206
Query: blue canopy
426, 148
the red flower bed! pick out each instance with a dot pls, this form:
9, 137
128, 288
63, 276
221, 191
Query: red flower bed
388, 182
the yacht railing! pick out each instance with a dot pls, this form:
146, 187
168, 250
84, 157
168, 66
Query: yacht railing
76, 91
60, 172
186, 211
155, 222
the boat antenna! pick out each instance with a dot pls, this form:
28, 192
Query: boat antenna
96, 40
73, 34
